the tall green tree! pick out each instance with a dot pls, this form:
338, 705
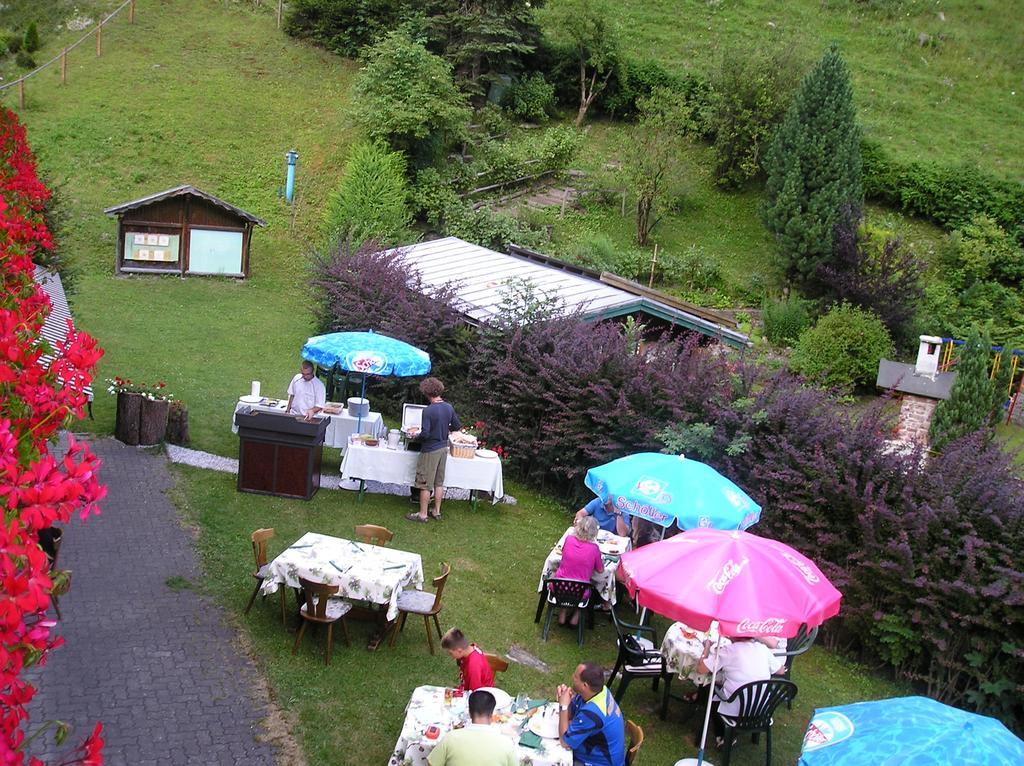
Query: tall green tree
372, 200
813, 168
405, 97
482, 39
586, 26
975, 400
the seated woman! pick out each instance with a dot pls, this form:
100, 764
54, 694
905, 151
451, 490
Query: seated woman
580, 558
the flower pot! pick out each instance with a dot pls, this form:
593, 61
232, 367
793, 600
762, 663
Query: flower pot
129, 411
177, 425
153, 423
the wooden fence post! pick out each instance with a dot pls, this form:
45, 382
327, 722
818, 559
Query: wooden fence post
654, 261
131, 12
99, 38
21, 93
623, 203
280, 9
64, 66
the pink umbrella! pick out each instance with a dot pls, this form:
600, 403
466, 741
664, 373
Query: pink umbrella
751, 585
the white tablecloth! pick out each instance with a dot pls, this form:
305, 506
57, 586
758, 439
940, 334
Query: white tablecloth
427, 707
682, 654
398, 466
363, 572
611, 546
338, 430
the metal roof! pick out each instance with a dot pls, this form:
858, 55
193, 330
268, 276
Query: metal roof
178, 191
480, 274
55, 327
904, 378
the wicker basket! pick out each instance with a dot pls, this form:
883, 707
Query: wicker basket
462, 449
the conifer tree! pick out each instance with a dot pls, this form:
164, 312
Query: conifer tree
975, 399
814, 168
31, 43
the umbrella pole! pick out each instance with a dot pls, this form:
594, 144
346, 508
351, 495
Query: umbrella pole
711, 696
362, 395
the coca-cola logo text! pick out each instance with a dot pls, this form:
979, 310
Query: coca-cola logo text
725, 575
805, 570
765, 627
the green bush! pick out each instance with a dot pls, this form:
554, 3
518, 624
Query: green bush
946, 194
635, 80
14, 43
345, 26
371, 203
431, 194
24, 60
532, 98
785, 320
500, 161
843, 349
31, 43
486, 227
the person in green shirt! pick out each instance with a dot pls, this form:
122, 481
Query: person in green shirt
479, 743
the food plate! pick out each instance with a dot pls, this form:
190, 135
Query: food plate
502, 699
544, 722
486, 453
250, 399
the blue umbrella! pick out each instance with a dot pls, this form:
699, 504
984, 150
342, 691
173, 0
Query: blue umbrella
666, 488
368, 353
907, 730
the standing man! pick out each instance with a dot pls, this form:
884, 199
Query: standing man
609, 518
439, 419
478, 744
306, 393
590, 722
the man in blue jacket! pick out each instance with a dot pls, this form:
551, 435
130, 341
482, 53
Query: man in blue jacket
589, 721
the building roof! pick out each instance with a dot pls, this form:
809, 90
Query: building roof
905, 379
55, 327
180, 191
480, 274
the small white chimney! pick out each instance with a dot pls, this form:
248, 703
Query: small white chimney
928, 356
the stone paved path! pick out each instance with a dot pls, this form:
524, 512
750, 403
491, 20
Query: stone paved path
157, 666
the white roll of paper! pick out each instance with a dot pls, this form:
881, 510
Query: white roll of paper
255, 388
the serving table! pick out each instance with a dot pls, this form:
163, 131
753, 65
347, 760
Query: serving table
279, 454
361, 571
427, 707
682, 648
340, 426
398, 466
612, 546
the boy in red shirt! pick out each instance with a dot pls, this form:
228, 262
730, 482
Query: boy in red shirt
474, 670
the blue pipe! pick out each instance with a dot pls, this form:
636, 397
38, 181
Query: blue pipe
289, 188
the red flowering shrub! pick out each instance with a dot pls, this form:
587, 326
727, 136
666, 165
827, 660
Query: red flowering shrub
36, 399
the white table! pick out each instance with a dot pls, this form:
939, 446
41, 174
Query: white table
398, 466
611, 545
683, 647
427, 707
339, 429
362, 572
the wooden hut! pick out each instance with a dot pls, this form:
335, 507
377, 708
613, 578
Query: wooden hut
183, 231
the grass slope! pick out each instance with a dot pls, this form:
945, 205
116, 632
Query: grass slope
957, 98
213, 95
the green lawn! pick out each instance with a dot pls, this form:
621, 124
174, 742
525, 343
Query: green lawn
958, 98
352, 712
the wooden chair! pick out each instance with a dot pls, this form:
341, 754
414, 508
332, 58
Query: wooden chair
758, 701
635, 738
50, 539
371, 534
800, 643
320, 608
639, 657
569, 595
260, 538
423, 603
498, 664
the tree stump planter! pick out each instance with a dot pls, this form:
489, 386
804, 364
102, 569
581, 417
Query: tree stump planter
177, 425
129, 412
153, 423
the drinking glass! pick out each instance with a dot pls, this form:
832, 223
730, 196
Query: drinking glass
521, 702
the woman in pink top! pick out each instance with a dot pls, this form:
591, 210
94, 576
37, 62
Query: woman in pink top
580, 558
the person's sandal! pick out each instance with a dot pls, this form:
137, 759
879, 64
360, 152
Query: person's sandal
415, 517
435, 516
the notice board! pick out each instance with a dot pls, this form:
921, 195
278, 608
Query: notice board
140, 246
215, 252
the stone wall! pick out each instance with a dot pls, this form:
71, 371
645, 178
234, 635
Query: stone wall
915, 419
